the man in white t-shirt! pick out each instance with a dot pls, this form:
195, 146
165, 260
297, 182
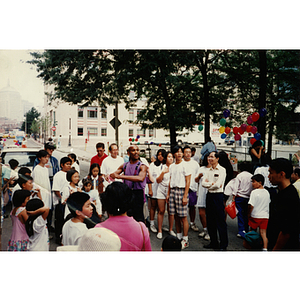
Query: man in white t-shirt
111, 163
194, 169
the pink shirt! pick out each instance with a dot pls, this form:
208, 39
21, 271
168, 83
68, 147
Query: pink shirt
129, 232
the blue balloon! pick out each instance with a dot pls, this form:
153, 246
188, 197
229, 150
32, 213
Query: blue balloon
257, 136
223, 136
262, 112
226, 113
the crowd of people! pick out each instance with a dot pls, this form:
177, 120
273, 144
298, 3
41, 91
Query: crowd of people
118, 200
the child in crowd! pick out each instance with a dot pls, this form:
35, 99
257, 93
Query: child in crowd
73, 179
171, 243
94, 195
19, 238
23, 171
35, 225
75, 162
80, 207
180, 178
59, 182
26, 183
258, 208
96, 178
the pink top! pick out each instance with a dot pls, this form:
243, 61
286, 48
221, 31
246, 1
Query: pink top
18, 229
129, 232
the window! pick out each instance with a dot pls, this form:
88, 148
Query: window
92, 131
130, 132
80, 131
131, 114
104, 113
141, 132
80, 112
103, 132
151, 132
92, 113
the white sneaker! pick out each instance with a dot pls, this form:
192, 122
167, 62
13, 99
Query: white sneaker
194, 227
153, 229
202, 233
184, 244
172, 233
165, 228
159, 235
207, 237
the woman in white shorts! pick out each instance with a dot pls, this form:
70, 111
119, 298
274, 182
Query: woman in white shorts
163, 181
201, 200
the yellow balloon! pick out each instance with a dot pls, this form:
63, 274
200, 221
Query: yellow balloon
222, 129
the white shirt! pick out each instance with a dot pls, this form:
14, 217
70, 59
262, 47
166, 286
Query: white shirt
297, 186
76, 167
39, 241
196, 158
265, 172
72, 232
214, 179
202, 191
94, 196
195, 170
242, 185
110, 165
178, 172
166, 178
40, 176
59, 182
155, 171
65, 194
260, 199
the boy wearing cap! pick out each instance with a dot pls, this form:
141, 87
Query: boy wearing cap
80, 207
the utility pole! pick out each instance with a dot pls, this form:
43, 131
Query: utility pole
117, 117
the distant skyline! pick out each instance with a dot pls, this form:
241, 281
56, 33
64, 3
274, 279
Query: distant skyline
21, 75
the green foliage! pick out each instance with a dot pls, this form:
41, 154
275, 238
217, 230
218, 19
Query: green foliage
30, 116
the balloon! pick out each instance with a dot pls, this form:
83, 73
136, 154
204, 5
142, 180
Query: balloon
226, 113
136, 139
254, 129
151, 143
159, 145
262, 112
137, 136
222, 129
249, 128
130, 140
244, 127
200, 127
237, 137
262, 142
4, 140
249, 120
252, 141
223, 136
138, 143
235, 130
255, 116
257, 136
222, 122
241, 131
227, 130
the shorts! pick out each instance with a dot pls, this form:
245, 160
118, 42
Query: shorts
175, 202
162, 192
192, 198
256, 222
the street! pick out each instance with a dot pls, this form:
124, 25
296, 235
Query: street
196, 243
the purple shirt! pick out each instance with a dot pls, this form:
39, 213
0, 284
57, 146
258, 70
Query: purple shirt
130, 170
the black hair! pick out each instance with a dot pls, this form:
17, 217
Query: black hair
187, 147
74, 157
94, 165
42, 153
86, 181
193, 149
19, 197
259, 178
255, 144
171, 243
50, 145
297, 171
205, 161
24, 170
100, 145
76, 201
13, 163
32, 205
117, 198
225, 163
70, 173
176, 148
113, 144
23, 179
282, 164
165, 156
162, 151
64, 160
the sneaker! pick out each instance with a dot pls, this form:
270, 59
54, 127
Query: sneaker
172, 233
194, 227
202, 233
153, 229
184, 244
165, 228
207, 237
159, 235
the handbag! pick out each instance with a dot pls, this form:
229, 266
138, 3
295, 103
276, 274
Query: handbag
231, 209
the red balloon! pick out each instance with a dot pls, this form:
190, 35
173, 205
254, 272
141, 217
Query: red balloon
249, 128
159, 145
255, 116
252, 141
227, 130
241, 131
235, 130
249, 120
237, 137
244, 127
254, 129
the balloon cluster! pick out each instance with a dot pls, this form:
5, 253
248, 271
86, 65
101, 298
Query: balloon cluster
135, 139
238, 131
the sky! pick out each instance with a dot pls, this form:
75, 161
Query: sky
21, 75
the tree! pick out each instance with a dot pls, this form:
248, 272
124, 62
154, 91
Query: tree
30, 116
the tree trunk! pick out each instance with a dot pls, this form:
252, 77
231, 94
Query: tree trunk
271, 130
262, 91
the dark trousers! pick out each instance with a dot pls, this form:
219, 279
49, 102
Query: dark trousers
59, 220
242, 206
137, 208
215, 217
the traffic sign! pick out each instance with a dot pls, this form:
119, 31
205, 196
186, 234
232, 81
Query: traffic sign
115, 123
53, 128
